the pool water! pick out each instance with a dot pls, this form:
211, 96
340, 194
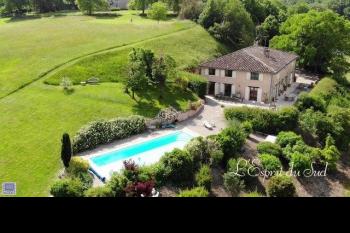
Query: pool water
153, 147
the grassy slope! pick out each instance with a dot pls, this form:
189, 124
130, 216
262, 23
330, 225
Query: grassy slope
34, 118
112, 66
42, 43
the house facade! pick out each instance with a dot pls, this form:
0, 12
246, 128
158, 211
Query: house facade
255, 73
121, 4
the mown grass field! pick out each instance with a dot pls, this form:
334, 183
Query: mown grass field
34, 117
30, 47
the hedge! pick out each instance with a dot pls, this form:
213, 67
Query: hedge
269, 148
68, 188
196, 83
105, 131
263, 120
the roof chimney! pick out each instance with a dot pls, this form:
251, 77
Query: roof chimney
267, 52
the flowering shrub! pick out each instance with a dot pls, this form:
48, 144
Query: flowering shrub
139, 189
102, 132
131, 170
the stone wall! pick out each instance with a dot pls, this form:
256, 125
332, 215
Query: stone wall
188, 114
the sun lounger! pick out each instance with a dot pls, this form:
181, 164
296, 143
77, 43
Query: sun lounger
207, 125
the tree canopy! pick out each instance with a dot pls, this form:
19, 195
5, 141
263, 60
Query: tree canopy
158, 11
89, 6
228, 21
321, 39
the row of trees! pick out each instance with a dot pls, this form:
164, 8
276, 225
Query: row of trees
18, 7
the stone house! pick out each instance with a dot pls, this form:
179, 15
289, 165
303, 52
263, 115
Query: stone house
255, 73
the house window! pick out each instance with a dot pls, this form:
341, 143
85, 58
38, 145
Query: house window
254, 76
211, 71
228, 73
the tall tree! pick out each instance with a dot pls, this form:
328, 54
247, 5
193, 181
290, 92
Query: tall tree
321, 39
89, 6
229, 22
191, 9
143, 4
158, 11
16, 6
66, 150
174, 5
137, 79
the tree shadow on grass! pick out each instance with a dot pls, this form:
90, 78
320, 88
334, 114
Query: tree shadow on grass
145, 108
106, 15
23, 18
171, 95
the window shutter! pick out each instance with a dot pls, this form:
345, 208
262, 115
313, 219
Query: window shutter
217, 91
206, 71
246, 94
248, 75
234, 74
259, 95
261, 76
233, 90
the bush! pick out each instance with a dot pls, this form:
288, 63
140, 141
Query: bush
287, 138
252, 194
103, 191
233, 183
178, 166
86, 178
241, 167
281, 186
195, 192
202, 149
270, 163
102, 132
319, 125
217, 157
247, 127
300, 162
68, 188
146, 173
204, 177
198, 149
306, 101
131, 170
263, 120
330, 154
196, 83
139, 189
231, 140
117, 184
77, 166
269, 148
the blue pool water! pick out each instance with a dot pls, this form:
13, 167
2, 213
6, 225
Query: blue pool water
130, 151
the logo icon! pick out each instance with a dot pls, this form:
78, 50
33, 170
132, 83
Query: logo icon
9, 188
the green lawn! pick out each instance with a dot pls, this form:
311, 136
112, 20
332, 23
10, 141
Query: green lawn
34, 117
30, 47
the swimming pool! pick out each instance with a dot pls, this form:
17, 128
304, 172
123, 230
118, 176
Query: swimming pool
143, 153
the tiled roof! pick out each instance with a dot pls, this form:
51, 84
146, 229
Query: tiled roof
253, 59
